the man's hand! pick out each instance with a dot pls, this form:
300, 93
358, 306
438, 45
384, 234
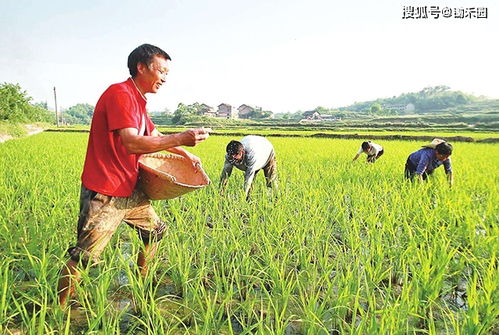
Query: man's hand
138, 144
194, 136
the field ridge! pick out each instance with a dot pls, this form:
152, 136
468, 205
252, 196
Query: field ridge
326, 135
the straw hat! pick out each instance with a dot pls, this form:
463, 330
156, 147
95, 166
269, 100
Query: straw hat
167, 176
434, 143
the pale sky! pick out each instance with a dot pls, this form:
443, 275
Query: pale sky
283, 56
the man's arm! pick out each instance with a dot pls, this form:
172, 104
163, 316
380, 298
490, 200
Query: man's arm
358, 154
226, 172
136, 144
249, 175
448, 170
195, 160
424, 160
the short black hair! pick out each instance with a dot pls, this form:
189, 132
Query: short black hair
144, 54
234, 147
365, 145
444, 148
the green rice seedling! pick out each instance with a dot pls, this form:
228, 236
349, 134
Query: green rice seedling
6, 312
343, 248
483, 305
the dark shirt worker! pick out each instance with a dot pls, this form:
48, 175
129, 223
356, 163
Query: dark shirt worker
420, 164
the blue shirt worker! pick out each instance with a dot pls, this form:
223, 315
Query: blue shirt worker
422, 163
251, 154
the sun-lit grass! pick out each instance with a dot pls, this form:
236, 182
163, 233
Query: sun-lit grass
341, 248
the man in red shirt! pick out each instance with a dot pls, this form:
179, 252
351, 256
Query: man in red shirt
120, 132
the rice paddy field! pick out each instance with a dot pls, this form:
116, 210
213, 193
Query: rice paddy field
269, 131
307, 131
340, 248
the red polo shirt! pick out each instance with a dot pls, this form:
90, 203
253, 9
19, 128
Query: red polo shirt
108, 168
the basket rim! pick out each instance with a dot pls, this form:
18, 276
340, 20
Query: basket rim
162, 155
172, 178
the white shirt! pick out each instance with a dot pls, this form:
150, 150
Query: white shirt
257, 153
373, 150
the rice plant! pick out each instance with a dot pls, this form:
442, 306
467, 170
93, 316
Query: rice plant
341, 249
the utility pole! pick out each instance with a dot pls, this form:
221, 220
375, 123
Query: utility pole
56, 114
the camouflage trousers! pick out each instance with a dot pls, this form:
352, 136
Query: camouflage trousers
100, 216
270, 171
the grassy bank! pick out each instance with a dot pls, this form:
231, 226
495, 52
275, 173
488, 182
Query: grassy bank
10, 130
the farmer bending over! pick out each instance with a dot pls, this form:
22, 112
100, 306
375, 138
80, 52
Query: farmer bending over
251, 154
372, 150
422, 163
120, 132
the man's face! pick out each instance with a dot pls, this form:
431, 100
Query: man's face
154, 75
237, 158
442, 157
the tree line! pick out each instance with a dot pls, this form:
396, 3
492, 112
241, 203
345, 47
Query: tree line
17, 106
429, 100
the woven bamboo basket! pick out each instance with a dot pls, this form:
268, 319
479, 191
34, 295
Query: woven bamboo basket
166, 176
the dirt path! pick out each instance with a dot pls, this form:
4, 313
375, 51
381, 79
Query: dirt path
5, 137
30, 130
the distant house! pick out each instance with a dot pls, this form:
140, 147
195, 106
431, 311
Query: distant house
206, 110
308, 114
327, 117
410, 107
316, 116
226, 111
244, 110
399, 107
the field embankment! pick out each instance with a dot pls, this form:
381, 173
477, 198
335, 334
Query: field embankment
479, 137
10, 131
